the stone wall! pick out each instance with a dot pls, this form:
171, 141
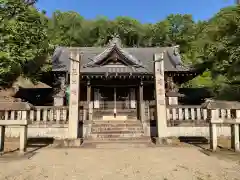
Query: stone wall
58, 132
62, 132
191, 131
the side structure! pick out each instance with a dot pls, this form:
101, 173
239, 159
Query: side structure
161, 117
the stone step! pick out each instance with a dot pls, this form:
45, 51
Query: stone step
116, 125
117, 145
116, 122
118, 132
102, 136
102, 129
119, 139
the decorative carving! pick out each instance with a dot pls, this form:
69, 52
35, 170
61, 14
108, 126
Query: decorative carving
115, 40
176, 50
172, 87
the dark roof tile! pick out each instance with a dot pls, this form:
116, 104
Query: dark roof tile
172, 61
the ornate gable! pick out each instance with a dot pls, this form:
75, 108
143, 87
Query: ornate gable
114, 54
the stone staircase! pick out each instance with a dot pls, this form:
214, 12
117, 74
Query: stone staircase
117, 134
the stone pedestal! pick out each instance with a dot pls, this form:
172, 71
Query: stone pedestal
161, 116
59, 100
172, 100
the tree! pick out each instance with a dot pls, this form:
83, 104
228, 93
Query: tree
24, 42
65, 29
218, 49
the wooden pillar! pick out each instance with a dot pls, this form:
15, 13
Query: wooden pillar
74, 95
2, 138
161, 116
141, 102
90, 108
213, 130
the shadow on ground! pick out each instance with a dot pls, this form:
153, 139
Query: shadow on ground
223, 151
35, 144
11, 149
197, 141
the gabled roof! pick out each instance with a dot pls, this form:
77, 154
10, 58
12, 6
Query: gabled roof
114, 45
143, 57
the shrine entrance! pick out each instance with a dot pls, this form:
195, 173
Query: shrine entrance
115, 101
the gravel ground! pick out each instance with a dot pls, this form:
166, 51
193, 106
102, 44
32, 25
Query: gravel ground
117, 164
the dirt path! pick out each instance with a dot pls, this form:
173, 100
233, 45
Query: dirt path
120, 164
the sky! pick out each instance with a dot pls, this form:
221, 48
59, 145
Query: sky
146, 11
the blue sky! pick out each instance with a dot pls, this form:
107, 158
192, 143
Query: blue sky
146, 11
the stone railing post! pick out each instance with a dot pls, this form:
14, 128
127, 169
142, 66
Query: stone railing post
23, 134
214, 119
74, 95
235, 132
161, 116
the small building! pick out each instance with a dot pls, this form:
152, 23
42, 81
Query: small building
115, 80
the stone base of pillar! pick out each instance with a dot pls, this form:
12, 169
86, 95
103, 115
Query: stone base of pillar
68, 143
163, 141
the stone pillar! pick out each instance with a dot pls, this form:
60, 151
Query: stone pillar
161, 116
90, 108
2, 138
23, 134
235, 137
213, 129
115, 102
23, 139
235, 133
141, 102
74, 95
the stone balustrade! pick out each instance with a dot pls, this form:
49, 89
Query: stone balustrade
49, 114
194, 114
187, 113
232, 118
43, 115
22, 124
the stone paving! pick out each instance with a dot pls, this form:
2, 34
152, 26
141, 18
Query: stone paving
162, 163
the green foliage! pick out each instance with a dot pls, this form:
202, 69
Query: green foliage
23, 32
28, 38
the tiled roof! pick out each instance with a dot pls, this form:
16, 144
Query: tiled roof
143, 56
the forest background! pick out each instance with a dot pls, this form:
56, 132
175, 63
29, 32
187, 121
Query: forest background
28, 38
